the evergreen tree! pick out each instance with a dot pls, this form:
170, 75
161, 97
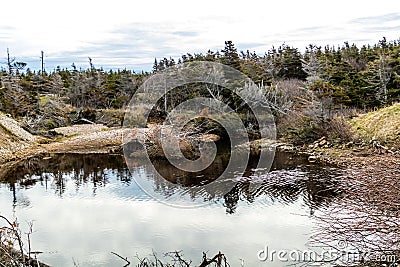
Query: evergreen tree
230, 56
291, 65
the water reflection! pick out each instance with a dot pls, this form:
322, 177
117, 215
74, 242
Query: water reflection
290, 179
85, 206
54, 172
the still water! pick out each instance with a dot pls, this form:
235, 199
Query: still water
83, 207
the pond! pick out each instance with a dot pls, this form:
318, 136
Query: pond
83, 207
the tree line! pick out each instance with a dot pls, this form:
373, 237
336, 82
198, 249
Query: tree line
365, 77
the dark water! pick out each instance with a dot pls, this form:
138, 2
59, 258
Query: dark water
84, 207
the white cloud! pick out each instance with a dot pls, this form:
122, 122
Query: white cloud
138, 31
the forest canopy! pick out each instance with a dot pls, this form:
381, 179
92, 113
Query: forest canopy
360, 77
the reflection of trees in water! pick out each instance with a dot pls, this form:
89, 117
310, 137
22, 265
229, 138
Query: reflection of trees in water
316, 187
178, 176
54, 172
286, 183
289, 181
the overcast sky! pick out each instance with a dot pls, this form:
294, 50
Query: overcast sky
130, 34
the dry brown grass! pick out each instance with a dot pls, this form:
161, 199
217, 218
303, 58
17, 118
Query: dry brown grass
382, 125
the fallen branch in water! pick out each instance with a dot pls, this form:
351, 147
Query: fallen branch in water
219, 259
177, 260
125, 259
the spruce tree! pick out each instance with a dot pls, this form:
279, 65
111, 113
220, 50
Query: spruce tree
230, 56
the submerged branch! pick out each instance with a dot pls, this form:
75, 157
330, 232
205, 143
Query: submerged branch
125, 259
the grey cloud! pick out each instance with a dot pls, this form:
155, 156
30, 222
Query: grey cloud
186, 33
5, 32
249, 46
381, 29
305, 36
378, 19
381, 24
300, 33
309, 30
134, 46
136, 42
128, 47
360, 31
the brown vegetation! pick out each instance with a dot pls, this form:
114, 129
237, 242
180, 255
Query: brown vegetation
367, 217
13, 251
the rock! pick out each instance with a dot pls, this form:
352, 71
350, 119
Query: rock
312, 158
210, 138
377, 144
286, 148
14, 128
349, 144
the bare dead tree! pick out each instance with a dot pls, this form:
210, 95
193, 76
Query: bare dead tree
379, 74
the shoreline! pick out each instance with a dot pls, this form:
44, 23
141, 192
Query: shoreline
110, 141
17, 145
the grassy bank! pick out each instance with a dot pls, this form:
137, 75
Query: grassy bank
382, 125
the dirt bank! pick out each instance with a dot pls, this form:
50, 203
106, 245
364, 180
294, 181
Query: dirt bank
89, 141
14, 140
17, 144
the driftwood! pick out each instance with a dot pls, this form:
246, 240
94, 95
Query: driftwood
125, 259
83, 121
377, 145
219, 260
177, 260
